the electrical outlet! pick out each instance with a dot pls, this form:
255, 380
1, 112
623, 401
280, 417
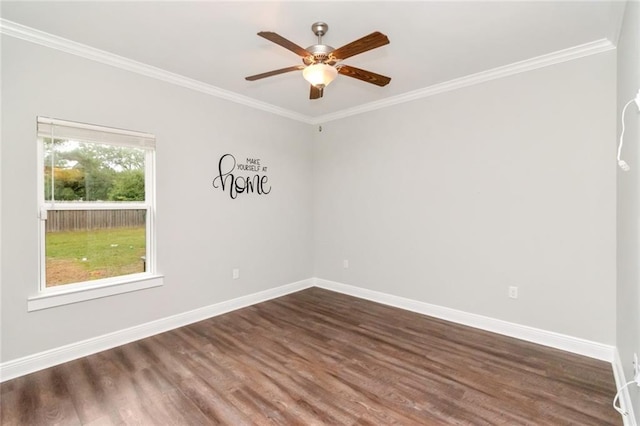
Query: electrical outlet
235, 273
513, 292
345, 264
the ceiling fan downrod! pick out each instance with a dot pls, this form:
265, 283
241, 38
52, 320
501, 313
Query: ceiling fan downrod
320, 29
319, 51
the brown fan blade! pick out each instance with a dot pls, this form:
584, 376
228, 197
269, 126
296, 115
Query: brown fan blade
316, 93
363, 44
364, 75
281, 41
274, 72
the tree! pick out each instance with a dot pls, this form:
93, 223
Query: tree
68, 184
116, 158
93, 172
98, 176
128, 185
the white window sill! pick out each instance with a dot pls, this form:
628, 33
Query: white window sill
57, 296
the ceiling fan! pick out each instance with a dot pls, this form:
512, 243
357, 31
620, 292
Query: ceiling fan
322, 63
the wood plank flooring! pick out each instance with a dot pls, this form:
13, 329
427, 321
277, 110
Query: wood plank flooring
313, 358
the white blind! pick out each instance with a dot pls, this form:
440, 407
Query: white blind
53, 128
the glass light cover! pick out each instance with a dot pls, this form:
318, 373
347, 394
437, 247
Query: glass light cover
320, 75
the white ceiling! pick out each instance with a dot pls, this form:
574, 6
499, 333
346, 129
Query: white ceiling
431, 42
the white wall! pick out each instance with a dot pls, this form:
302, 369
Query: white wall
628, 234
446, 200
451, 199
202, 233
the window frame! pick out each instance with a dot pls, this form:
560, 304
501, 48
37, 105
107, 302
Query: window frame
47, 297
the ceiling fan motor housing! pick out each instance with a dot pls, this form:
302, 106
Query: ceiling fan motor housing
320, 54
320, 51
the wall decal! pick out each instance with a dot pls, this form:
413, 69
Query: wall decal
230, 182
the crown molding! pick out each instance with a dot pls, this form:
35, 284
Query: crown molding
557, 57
32, 35
618, 9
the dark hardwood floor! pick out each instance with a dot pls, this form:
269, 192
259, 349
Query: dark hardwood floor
318, 357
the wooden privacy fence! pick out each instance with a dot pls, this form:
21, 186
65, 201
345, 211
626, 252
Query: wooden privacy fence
82, 220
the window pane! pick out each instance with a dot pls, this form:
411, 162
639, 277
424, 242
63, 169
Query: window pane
84, 245
78, 171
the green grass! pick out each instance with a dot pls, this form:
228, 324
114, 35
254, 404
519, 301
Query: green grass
74, 256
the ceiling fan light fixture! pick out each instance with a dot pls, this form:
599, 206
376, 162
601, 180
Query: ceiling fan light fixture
323, 63
320, 75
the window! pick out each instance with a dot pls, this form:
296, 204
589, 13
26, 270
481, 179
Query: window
96, 210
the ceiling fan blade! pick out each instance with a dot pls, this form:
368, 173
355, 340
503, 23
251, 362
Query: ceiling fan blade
274, 72
364, 75
281, 41
372, 41
316, 93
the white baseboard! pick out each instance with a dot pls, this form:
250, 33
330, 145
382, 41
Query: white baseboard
49, 358
547, 338
31, 363
625, 398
